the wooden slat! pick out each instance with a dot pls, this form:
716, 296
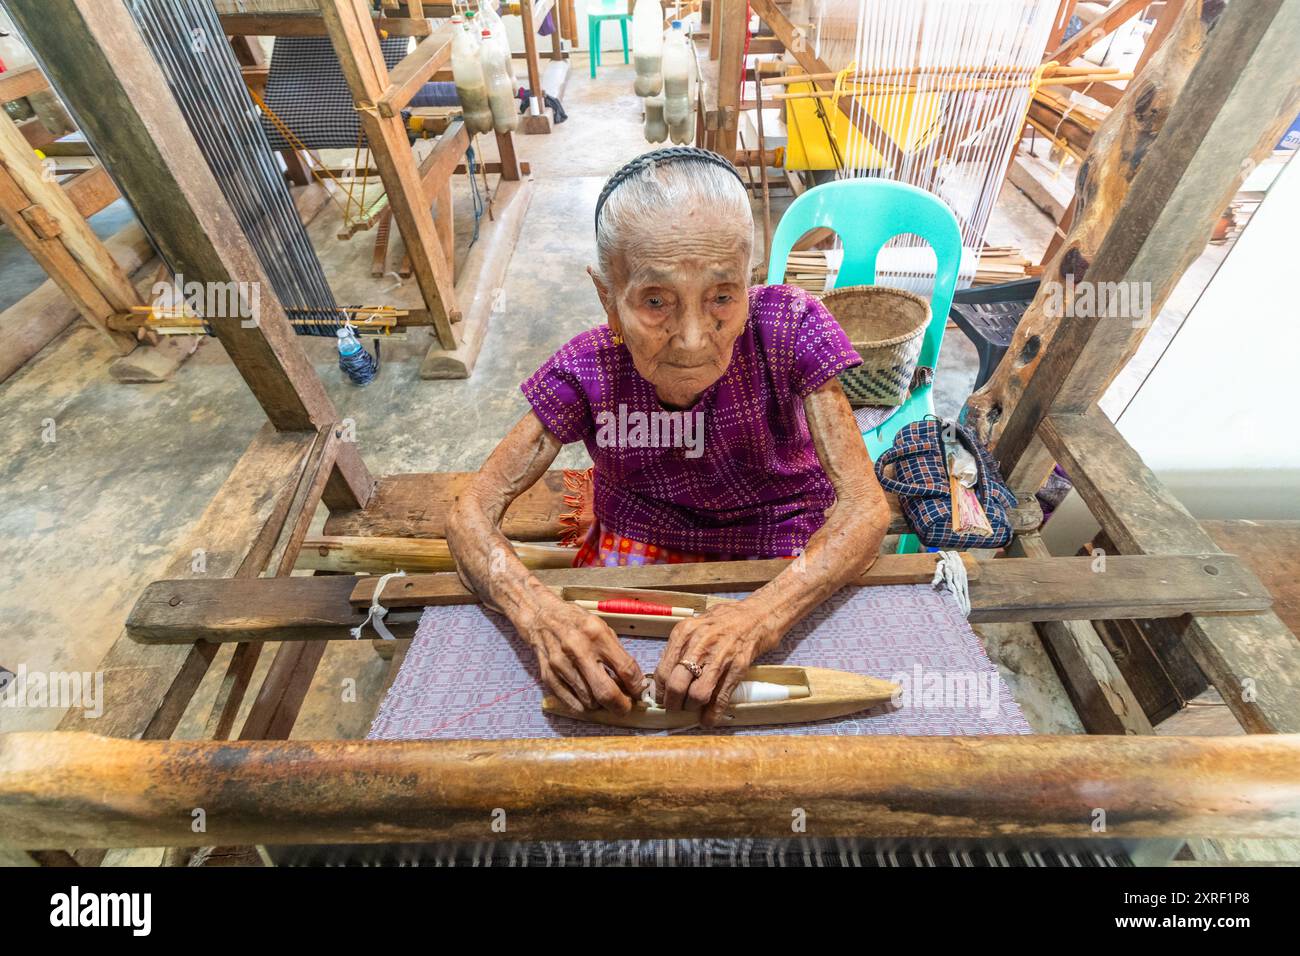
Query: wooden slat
30, 324
91, 191
1111, 19
345, 555
416, 505
79, 789
419, 590
1163, 166
16, 84
233, 610
1254, 660
405, 79
1008, 589
1166, 19
436, 168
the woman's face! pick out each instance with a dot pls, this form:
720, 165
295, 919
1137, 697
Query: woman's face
679, 299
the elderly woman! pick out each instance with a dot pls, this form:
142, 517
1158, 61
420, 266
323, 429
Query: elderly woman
781, 469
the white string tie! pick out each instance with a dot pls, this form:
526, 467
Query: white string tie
950, 574
377, 611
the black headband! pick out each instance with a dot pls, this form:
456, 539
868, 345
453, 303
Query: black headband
668, 154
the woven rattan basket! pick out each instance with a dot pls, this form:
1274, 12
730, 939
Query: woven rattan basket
887, 327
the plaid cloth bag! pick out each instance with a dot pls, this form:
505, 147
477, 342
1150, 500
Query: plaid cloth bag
920, 480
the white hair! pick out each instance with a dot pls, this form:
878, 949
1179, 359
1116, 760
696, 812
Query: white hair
681, 184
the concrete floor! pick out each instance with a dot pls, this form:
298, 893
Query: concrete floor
95, 514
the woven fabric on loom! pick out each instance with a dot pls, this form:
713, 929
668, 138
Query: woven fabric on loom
468, 675
307, 90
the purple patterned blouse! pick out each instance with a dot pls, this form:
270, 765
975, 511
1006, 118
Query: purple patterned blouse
735, 474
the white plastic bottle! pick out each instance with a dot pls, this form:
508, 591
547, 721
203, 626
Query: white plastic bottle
647, 47
683, 133
500, 91
491, 19
656, 130
677, 76
467, 71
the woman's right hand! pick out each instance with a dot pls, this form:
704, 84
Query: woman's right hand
577, 653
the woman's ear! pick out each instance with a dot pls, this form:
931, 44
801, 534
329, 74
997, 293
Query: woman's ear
607, 303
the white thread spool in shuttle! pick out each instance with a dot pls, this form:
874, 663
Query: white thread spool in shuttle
762, 692
747, 692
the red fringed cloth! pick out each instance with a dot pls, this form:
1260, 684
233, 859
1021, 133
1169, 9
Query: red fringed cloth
599, 547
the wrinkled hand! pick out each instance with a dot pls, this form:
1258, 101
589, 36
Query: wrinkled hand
576, 655
723, 641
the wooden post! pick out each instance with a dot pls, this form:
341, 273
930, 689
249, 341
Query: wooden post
99, 62
731, 57
1160, 171
715, 29
536, 120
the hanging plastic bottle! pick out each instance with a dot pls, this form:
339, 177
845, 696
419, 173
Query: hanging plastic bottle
648, 47
656, 130
683, 133
677, 76
354, 360
501, 92
467, 71
491, 19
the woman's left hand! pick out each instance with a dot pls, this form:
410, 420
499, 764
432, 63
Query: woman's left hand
723, 642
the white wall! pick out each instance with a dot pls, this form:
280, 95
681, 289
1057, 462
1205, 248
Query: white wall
1218, 418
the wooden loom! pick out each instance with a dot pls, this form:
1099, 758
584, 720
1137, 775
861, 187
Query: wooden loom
46, 205
298, 18
119, 781
454, 303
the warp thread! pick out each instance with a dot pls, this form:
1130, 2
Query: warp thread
950, 574
185, 39
377, 611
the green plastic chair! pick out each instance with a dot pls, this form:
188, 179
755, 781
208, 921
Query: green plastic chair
866, 214
599, 11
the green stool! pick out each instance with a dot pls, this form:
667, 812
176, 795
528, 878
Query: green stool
597, 11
